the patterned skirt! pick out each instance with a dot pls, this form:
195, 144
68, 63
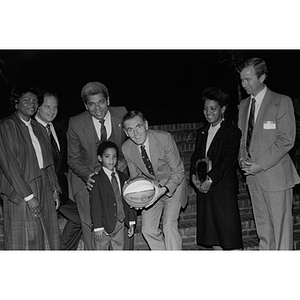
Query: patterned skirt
23, 231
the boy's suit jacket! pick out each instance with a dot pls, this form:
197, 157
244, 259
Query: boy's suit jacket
273, 136
82, 151
103, 203
167, 164
223, 152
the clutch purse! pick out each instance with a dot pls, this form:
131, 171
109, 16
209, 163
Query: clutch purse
203, 166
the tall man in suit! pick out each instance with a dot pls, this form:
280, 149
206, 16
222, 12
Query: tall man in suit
166, 168
86, 131
45, 115
268, 133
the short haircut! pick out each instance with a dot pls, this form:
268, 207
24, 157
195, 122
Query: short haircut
131, 114
18, 91
216, 94
94, 88
105, 145
259, 65
49, 94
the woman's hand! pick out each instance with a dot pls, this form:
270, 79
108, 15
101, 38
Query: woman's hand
205, 186
34, 207
196, 182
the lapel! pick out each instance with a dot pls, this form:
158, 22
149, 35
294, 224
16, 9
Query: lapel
137, 157
245, 117
154, 152
116, 124
42, 136
200, 145
58, 133
106, 182
62, 139
262, 111
90, 135
216, 138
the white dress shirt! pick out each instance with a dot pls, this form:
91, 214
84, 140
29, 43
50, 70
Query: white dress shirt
147, 148
107, 125
51, 128
258, 100
37, 149
211, 134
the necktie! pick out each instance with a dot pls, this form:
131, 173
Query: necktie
250, 124
146, 160
53, 142
120, 209
103, 130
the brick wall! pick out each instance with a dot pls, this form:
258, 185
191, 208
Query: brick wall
184, 135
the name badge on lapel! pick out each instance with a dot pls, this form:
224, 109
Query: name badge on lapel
269, 125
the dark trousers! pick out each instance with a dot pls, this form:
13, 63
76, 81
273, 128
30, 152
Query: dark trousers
71, 234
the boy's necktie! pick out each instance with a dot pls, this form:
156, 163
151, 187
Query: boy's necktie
120, 208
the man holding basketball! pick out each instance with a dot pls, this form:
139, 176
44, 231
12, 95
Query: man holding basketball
153, 154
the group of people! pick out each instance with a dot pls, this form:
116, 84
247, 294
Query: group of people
260, 146
79, 172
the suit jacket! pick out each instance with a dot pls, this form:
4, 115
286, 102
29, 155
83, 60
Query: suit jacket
272, 138
223, 152
62, 166
82, 151
103, 203
167, 164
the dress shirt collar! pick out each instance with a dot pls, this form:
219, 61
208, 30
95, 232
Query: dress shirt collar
107, 118
27, 123
42, 122
147, 147
107, 124
108, 172
258, 101
260, 96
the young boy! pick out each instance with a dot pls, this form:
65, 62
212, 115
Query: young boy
109, 212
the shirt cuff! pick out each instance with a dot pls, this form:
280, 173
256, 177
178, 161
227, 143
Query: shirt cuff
98, 229
29, 197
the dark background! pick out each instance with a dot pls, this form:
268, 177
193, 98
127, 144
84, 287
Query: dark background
165, 85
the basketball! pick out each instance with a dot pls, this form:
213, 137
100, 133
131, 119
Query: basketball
138, 192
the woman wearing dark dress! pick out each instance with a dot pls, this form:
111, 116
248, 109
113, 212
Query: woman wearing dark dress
218, 218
